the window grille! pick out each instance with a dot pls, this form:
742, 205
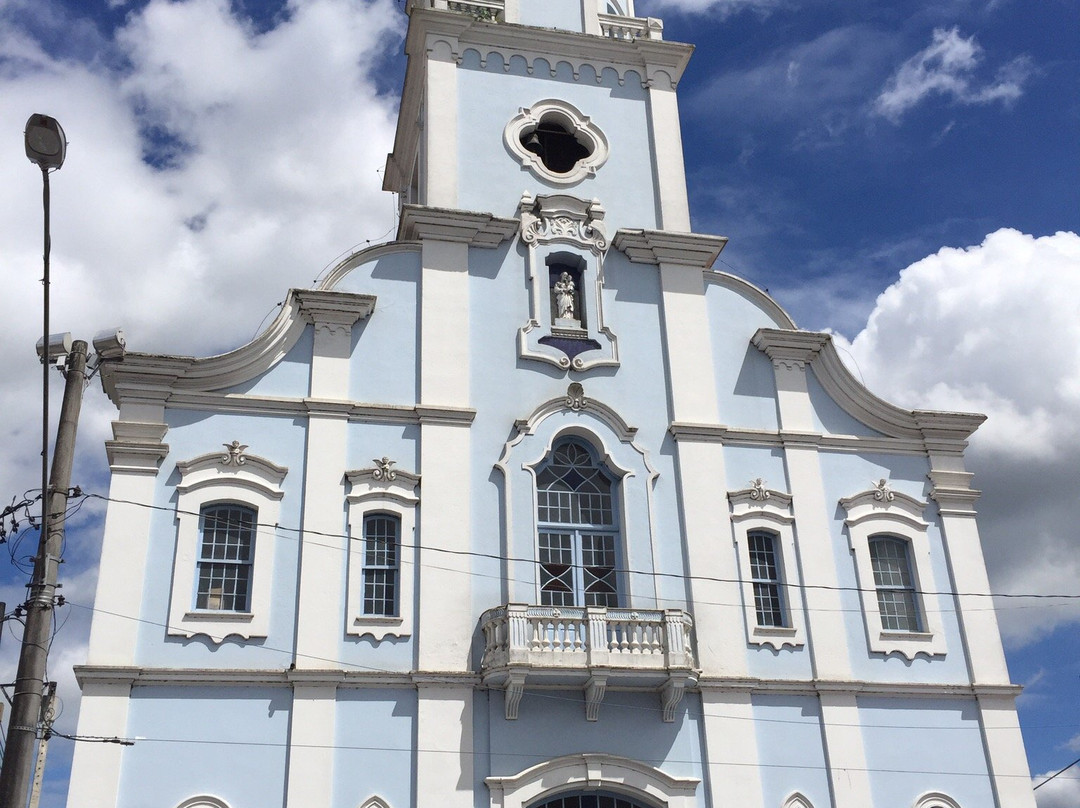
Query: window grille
894, 584
382, 534
578, 535
590, 801
765, 575
225, 555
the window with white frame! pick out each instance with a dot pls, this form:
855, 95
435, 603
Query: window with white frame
765, 576
227, 509
577, 529
591, 800
764, 534
226, 556
894, 583
382, 536
382, 504
890, 543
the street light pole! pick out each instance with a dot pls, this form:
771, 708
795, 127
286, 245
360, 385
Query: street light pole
46, 147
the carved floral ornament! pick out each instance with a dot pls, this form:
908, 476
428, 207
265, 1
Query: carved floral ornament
575, 397
883, 492
559, 217
234, 454
758, 491
384, 469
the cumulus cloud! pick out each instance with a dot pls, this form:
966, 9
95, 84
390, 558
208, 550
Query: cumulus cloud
1061, 792
721, 7
995, 328
948, 67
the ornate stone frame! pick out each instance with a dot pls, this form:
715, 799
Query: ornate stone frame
880, 510
759, 508
557, 219
935, 799
382, 489
593, 771
229, 476
568, 116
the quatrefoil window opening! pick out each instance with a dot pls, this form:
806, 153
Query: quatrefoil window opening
555, 141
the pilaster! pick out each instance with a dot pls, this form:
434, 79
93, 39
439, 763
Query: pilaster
95, 767
444, 740
440, 127
311, 749
731, 748
1011, 778
668, 151
135, 455
845, 753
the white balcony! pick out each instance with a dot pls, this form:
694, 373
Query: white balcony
590, 647
615, 26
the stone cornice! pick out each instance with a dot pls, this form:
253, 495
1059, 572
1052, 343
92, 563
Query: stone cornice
720, 433
136, 447
747, 289
664, 247
941, 432
443, 224
157, 378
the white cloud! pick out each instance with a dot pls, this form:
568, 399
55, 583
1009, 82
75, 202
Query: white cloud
996, 329
721, 7
1061, 792
1073, 744
947, 67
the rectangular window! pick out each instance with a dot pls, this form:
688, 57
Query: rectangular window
382, 534
764, 573
225, 555
893, 581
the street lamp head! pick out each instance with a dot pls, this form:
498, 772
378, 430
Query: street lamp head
45, 142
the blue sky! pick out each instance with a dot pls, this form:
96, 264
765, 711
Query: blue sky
904, 174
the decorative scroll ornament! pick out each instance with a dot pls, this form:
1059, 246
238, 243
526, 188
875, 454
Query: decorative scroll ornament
758, 491
575, 397
234, 454
384, 469
560, 217
882, 491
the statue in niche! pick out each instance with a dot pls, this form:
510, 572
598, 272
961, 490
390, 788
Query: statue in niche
564, 297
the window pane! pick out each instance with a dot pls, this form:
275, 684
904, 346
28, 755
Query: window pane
895, 588
766, 579
381, 539
225, 553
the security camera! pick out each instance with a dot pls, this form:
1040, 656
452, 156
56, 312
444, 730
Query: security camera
111, 344
59, 346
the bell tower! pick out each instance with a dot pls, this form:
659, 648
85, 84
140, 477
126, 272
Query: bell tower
510, 97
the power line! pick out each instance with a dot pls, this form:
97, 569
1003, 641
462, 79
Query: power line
533, 561
1055, 774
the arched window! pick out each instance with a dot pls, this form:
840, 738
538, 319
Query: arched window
382, 537
577, 527
591, 800
765, 575
226, 553
894, 584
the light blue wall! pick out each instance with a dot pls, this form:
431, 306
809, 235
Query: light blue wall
552, 723
844, 475
373, 742
385, 361
490, 179
828, 417
192, 433
745, 381
919, 745
228, 742
289, 378
790, 749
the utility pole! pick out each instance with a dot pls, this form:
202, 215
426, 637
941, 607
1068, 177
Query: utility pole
26, 703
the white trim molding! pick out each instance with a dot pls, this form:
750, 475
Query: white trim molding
882, 511
234, 477
570, 118
382, 489
375, 802
593, 771
761, 509
797, 800
204, 801
935, 799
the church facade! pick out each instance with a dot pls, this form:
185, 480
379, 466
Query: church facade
531, 507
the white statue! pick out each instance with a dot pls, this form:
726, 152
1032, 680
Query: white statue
564, 296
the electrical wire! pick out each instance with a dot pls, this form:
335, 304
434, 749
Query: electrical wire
668, 575
1056, 774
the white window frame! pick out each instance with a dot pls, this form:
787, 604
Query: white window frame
935, 799
761, 509
593, 771
797, 800
571, 119
880, 511
203, 802
218, 478
385, 490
